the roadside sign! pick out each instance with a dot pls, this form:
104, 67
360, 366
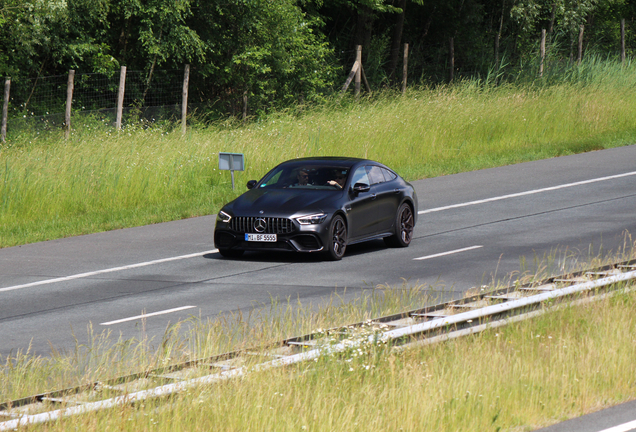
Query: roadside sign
232, 162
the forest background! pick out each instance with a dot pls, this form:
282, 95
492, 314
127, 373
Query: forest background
282, 53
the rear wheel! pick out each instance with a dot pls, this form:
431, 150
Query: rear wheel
403, 228
231, 253
337, 238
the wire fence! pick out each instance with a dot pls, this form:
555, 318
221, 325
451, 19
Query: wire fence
40, 102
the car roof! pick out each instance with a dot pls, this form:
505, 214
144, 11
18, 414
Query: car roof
328, 160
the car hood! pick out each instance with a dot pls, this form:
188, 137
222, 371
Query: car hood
283, 202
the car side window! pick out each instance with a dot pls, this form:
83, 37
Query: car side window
375, 174
388, 175
360, 176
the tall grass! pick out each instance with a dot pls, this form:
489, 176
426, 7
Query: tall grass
101, 179
517, 378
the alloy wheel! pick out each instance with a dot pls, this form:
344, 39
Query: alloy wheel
406, 224
338, 238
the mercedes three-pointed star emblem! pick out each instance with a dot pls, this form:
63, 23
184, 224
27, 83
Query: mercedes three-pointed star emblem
260, 224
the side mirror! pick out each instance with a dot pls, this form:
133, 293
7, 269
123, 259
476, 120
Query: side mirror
251, 184
361, 187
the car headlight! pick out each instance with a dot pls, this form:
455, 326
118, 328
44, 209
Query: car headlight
312, 219
223, 217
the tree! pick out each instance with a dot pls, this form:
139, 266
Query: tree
396, 40
562, 18
269, 51
151, 33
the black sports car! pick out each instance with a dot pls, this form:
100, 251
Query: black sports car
318, 205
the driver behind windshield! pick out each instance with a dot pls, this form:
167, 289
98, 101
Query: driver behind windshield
302, 177
339, 177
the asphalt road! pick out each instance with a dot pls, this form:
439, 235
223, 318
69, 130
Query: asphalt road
620, 418
474, 227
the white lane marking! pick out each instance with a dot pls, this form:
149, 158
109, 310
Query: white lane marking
167, 311
530, 192
110, 270
622, 428
447, 253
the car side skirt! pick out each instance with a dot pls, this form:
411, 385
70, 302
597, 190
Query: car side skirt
369, 238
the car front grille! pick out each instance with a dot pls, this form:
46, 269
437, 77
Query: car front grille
272, 225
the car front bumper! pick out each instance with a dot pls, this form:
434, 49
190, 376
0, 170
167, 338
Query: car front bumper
303, 238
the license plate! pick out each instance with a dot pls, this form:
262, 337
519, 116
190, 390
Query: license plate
260, 237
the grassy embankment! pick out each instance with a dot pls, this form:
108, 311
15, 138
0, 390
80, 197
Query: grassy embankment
520, 377
101, 180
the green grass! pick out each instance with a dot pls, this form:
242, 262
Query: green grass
100, 179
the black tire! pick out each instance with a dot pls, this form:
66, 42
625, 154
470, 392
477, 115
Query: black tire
231, 253
337, 239
403, 228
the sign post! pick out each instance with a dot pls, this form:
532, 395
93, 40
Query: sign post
232, 162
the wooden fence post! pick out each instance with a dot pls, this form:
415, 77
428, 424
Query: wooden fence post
184, 99
364, 78
352, 74
69, 103
622, 40
580, 55
498, 35
245, 100
451, 59
359, 71
542, 52
5, 108
405, 67
120, 97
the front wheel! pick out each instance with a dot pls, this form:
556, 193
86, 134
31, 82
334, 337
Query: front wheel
403, 228
337, 238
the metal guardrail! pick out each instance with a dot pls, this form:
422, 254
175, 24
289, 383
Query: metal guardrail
423, 326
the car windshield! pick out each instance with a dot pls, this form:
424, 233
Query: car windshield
307, 177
